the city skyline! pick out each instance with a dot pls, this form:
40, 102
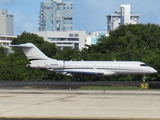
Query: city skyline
89, 15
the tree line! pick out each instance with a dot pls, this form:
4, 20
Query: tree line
127, 43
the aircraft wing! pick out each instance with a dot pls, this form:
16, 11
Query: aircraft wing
86, 72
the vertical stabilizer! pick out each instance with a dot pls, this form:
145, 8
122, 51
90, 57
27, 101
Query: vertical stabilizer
32, 52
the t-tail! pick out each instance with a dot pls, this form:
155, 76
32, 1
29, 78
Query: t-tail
32, 52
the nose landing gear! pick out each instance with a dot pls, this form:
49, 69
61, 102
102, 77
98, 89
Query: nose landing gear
144, 78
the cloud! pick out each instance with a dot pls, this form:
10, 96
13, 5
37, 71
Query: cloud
12, 2
89, 15
157, 13
7, 2
24, 23
94, 16
25, 14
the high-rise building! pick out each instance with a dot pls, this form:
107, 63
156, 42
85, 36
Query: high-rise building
6, 23
55, 15
122, 17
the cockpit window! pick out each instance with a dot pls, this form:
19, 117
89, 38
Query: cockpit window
143, 65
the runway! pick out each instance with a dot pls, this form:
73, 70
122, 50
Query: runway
53, 104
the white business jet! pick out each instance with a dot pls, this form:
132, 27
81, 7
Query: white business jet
39, 60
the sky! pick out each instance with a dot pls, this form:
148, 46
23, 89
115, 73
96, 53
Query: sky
89, 15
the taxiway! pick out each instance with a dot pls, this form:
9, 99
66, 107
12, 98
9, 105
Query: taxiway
78, 104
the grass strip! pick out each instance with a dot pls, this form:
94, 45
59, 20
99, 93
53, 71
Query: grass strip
109, 88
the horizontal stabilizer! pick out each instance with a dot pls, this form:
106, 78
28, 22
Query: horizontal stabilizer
23, 45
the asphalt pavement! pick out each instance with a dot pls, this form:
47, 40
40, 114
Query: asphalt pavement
53, 104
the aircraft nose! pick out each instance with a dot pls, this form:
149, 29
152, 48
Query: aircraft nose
153, 71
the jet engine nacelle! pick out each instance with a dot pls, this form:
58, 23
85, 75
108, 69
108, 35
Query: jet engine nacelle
47, 65
37, 66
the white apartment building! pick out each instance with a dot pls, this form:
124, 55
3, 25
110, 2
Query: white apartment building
6, 40
70, 38
6, 23
122, 17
